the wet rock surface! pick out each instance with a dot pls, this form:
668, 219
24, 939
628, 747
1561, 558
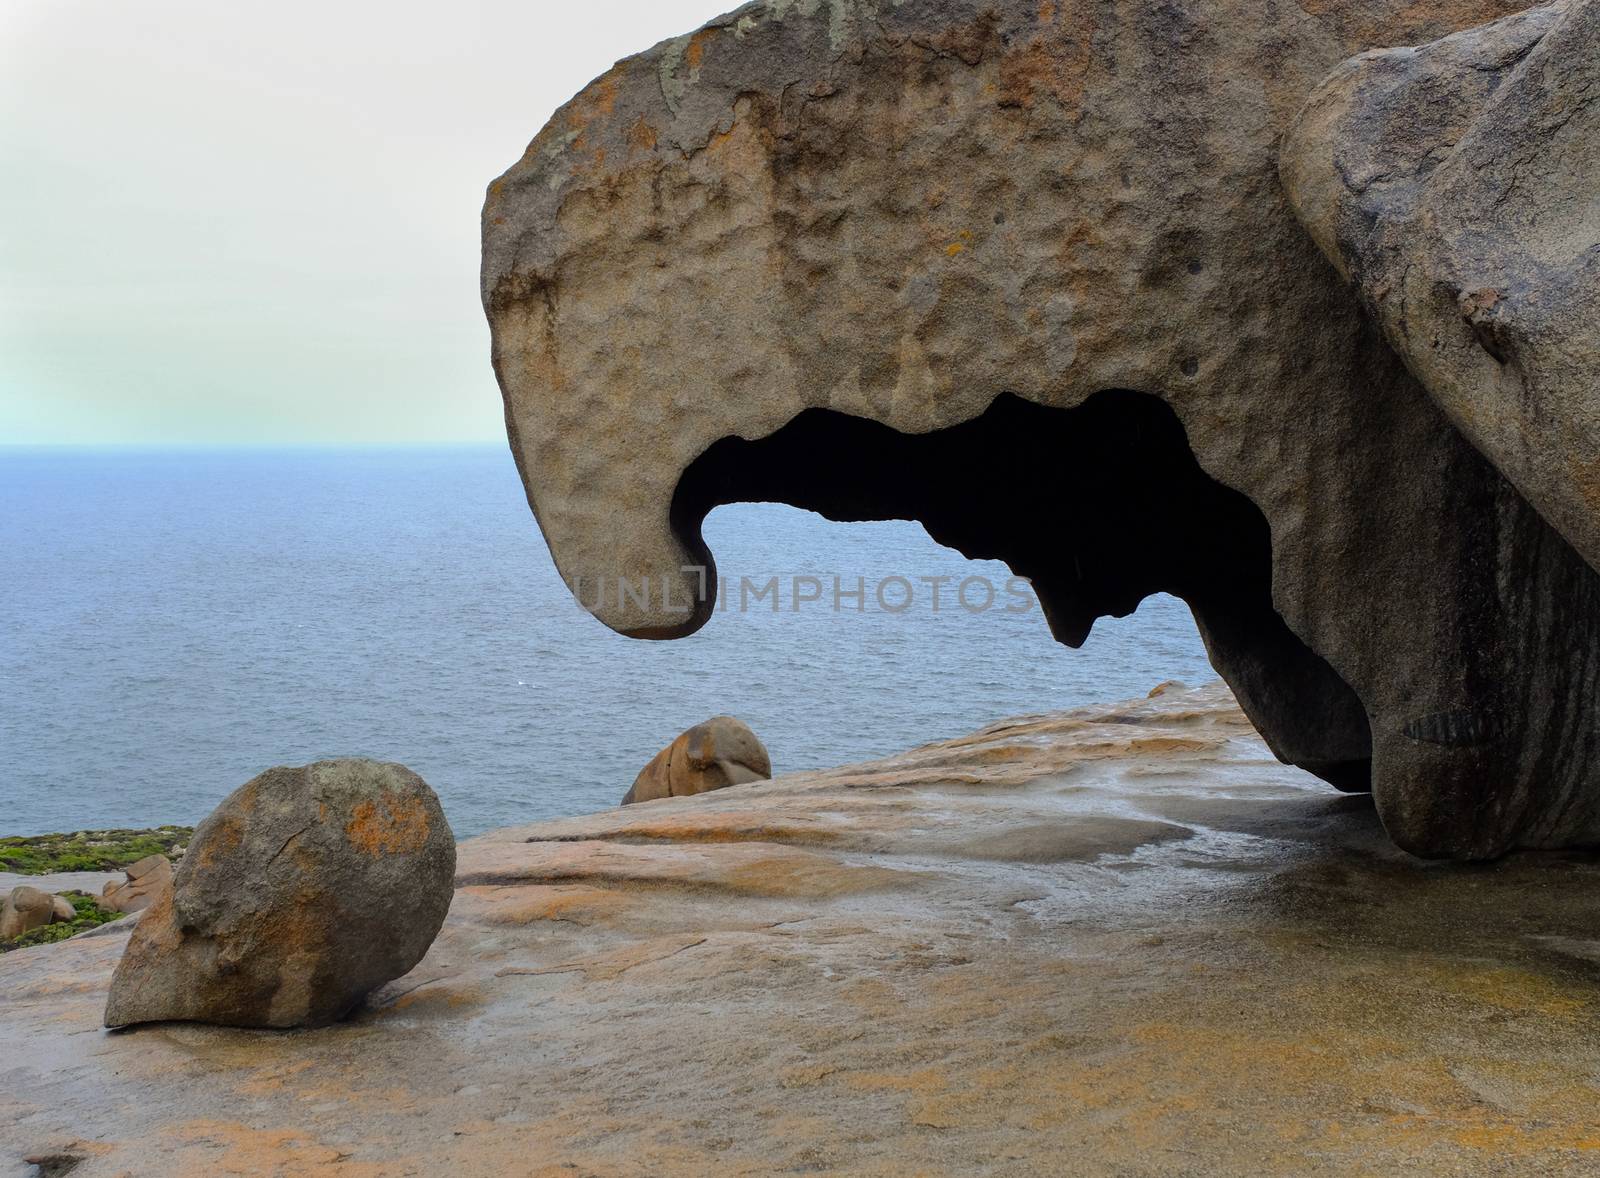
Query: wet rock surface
303, 891
718, 753
1125, 936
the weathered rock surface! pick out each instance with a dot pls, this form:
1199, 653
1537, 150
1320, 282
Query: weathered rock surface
1123, 940
1026, 272
143, 884
24, 910
303, 891
1459, 185
718, 753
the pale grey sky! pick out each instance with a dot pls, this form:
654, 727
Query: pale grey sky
259, 223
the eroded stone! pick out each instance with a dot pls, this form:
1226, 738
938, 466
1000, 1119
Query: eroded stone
1027, 273
718, 753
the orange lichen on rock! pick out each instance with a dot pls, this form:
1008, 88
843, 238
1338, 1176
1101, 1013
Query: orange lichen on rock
388, 825
1055, 63
642, 136
224, 841
694, 53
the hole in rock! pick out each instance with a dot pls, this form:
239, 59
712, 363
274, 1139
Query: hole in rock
1100, 506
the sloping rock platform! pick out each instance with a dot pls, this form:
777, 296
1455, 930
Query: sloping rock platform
1119, 940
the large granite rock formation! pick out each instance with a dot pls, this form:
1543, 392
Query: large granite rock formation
1459, 185
714, 754
1024, 270
1118, 941
303, 891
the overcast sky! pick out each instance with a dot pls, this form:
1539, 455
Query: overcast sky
259, 223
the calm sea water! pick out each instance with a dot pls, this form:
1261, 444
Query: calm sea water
172, 623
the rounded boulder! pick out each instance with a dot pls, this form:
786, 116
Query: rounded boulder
306, 889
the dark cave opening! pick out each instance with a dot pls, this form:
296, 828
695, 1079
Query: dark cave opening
1099, 506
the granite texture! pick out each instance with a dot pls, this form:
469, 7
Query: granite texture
1027, 272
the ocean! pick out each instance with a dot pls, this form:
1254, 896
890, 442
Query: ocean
173, 622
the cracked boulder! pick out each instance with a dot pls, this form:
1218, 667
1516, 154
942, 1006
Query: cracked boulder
720, 752
1458, 186
1026, 272
303, 891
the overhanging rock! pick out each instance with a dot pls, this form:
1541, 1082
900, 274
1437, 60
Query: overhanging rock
1027, 272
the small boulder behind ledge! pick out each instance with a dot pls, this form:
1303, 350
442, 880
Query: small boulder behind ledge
720, 752
303, 891
26, 909
147, 879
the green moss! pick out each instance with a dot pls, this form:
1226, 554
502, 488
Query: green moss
88, 850
90, 915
